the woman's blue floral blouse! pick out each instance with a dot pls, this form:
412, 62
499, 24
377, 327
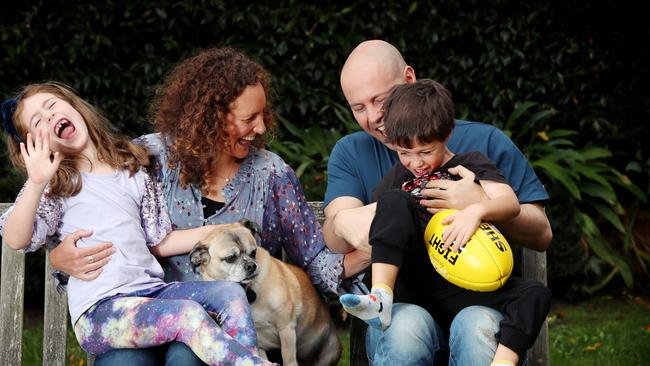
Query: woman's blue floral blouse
265, 190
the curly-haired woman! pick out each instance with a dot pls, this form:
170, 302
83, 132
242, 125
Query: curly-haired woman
211, 113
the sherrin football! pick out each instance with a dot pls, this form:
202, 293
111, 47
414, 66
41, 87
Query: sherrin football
484, 264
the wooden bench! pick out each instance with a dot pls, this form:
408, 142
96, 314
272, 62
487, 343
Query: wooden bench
56, 320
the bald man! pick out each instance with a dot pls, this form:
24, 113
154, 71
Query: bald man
358, 163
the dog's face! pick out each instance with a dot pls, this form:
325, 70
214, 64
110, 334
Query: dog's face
228, 252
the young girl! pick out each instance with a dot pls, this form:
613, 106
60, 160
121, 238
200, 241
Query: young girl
80, 175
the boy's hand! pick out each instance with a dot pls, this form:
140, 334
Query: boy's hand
462, 225
36, 155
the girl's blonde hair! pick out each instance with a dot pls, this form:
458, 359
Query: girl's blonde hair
113, 149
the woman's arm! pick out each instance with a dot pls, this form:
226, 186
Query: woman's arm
67, 258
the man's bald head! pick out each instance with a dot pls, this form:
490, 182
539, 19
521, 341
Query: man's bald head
368, 75
376, 54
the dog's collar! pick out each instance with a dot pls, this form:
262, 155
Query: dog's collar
250, 294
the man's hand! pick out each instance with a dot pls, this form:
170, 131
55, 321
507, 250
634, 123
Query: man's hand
82, 263
444, 194
353, 225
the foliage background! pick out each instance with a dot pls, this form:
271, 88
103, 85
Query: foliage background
582, 63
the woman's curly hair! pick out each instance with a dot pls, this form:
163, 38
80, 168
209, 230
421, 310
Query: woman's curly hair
190, 107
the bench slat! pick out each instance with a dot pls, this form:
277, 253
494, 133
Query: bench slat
534, 267
55, 321
11, 311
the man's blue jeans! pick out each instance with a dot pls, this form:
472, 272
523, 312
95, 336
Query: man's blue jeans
414, 338
175, 353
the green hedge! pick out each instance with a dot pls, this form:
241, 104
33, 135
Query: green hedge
584, 60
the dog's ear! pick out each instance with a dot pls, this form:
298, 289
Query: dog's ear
199, 255
251, 225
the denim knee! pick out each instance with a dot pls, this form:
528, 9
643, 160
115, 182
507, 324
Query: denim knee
129, 356
180, 354
472, 336
219, 289
413, 338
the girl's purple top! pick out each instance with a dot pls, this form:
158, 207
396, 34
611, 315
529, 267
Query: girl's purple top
265, 190
128, 211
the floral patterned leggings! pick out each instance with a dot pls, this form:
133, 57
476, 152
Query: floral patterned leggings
176, 311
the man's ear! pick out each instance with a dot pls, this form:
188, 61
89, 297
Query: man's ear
251, 225
199, 255
409, 74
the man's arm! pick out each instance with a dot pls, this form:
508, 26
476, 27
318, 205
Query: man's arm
346, 227
530, 229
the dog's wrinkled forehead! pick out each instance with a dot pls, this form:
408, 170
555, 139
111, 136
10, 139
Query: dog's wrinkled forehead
232, 239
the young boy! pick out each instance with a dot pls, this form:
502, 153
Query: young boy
418, 120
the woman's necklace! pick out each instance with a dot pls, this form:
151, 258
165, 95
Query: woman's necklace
231, 173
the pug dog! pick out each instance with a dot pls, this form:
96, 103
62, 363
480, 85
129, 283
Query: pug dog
288, 312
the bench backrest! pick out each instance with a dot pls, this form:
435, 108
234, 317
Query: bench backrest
56, 320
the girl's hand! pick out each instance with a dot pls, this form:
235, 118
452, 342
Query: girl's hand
462, 225
36, 155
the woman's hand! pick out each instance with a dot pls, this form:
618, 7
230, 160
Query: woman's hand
82, 263
36, 155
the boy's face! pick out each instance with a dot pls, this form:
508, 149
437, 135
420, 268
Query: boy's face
423, 158
55, 119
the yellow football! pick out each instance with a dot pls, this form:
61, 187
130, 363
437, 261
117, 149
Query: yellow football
484, 264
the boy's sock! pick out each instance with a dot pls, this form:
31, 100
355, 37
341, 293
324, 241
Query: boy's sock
502, 363
374, 308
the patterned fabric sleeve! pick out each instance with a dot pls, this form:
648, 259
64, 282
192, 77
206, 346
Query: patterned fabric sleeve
153, 212
326, 273
289, 221
46, 222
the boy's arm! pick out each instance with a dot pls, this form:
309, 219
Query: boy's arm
530, 228
501, 204
180, 241
19, 226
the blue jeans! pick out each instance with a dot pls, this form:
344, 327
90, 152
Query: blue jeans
414, 338
174, 353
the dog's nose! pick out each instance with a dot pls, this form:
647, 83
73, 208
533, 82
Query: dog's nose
250, 267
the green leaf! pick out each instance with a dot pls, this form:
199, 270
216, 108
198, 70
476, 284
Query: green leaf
591, 153
625, 270
561, 133
556, 172
514, 116
603, 282
598, 191
594, 237
594, 174
541, 115
609, 215
625, 182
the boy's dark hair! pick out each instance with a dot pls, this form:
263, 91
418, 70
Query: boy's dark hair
421, 111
